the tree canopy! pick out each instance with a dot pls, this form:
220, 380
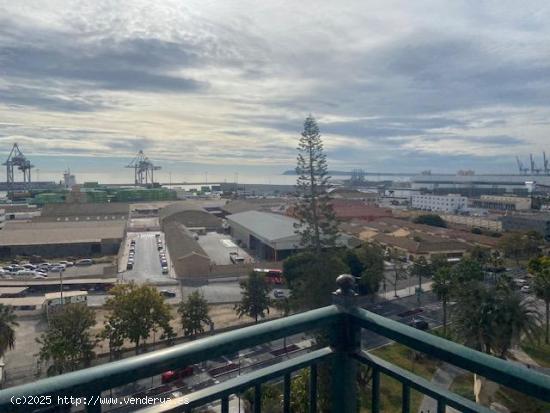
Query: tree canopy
433, 220
318, 228
67, 342
7, 329
540, 268
518, 246
138, 310
255, 297
194, 314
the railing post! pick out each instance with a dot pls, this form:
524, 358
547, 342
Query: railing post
345, 340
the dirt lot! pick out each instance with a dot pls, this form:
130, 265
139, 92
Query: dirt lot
223, 315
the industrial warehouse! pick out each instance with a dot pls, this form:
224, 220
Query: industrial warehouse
60, 239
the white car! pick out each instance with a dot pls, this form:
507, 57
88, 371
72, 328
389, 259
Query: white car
66, 263
25, 272
39, 277
525, 289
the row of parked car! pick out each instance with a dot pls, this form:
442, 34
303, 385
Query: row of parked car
162, 255
131, 255
40, 270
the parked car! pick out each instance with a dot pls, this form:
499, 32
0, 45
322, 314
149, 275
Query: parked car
167, 293
278, 294
157, 235
29, 266
39, 277
173, 375
525, 289
130, 266
25, 272
165, 270
236, 258
84, 261
67, 263
57, 268
419, 324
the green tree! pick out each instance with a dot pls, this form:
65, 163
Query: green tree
318, 228
492, 319
138, 310
516, 245
438, 261
421, 269
194, 314
115, 339
367, 265
312, 288
442, 287
540, 267
433, 220
480, 254
255, 297
7, 329
467, 270
400, 273
67, 342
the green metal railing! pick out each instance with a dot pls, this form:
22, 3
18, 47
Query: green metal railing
342, 322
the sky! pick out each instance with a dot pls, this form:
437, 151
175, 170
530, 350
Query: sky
224, 86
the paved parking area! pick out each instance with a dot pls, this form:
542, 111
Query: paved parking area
146, 260
218, 246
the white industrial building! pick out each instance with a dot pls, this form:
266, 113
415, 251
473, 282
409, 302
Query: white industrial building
451, 203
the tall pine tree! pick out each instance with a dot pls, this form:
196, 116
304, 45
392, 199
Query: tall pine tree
318, 228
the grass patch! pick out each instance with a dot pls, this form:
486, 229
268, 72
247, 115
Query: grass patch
391, 389
518, 402
463, 385
515, 401
538, 352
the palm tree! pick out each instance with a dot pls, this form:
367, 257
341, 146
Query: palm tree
7, 329
492, 320
442, 287
540, 268
542, 290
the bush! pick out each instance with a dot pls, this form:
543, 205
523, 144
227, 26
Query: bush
430, 219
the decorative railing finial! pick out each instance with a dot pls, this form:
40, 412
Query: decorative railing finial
346, 286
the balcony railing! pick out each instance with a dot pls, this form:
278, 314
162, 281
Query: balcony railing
343, 322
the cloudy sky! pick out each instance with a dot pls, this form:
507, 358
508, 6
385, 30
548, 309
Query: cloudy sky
214, 85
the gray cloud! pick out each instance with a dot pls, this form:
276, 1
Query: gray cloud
236, 82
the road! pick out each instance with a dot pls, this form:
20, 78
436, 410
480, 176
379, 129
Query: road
262, 355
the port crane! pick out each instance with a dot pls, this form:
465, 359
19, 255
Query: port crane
143, 169
16, 160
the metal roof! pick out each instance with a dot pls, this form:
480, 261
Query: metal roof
41, 233
268, 227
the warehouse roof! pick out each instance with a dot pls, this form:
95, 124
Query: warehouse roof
193, 219
270, 227
237, 206
87, 209
42, 233
180, 242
